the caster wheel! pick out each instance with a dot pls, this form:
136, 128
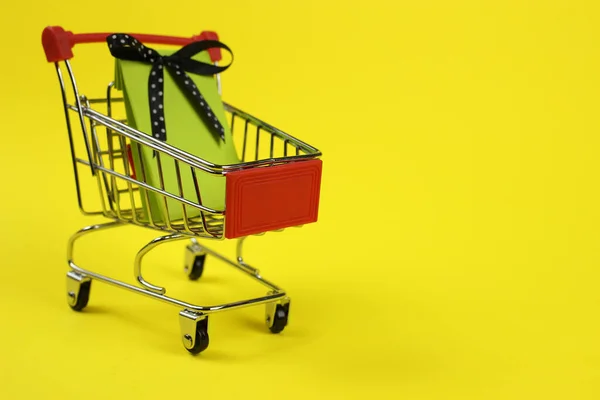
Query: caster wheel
201, 342
197, 267
194, 331
279, 318
82, 298
78, 291
194, 261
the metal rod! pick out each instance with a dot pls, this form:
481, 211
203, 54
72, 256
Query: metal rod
129, 185
80, 113
101, 178
199, 197
245, 140
145, 192
137, 268
162, 186
100, 100
257, 145
72, 144
180, 186
272, 145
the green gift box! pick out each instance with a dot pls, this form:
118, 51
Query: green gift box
185, 130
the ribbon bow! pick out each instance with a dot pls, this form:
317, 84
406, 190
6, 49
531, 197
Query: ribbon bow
126, 47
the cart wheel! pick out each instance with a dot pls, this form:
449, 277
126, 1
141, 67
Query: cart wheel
280, 318
202, 340
197, 268
194, 261
201, 343
78, 291
82, 297
194, 331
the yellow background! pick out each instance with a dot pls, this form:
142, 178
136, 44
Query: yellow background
456, 256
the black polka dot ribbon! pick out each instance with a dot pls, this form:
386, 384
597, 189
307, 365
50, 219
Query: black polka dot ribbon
126, 47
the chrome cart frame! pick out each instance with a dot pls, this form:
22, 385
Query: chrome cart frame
107, 168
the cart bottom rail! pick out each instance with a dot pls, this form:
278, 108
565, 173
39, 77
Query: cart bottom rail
193, 318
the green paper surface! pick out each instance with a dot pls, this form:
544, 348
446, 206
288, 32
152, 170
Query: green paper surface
185, 130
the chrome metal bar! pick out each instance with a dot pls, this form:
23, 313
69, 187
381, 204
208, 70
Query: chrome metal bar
97, 159
100, 100
72, 144
82, 161
137, 268
180, 186
130, 188
245, 140
127, 190
145, 192
257, 143
117, 154
123, 147
199, 198
109, 101
265, 162
272, 145
80, 113
162, 186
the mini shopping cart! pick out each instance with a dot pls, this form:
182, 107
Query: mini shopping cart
274, 185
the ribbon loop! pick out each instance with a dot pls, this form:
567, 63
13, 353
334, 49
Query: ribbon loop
126, 47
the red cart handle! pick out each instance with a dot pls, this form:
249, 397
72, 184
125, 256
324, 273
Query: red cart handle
58, 44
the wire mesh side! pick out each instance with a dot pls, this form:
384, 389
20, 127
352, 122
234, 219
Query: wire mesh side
148, 186
146, 182
260, 144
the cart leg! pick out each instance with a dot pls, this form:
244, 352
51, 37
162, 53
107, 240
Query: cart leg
195, 257
276, 313
194, 331
145, 250
277, 310
78, 281
78, 290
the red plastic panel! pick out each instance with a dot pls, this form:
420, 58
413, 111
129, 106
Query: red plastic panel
265, 199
